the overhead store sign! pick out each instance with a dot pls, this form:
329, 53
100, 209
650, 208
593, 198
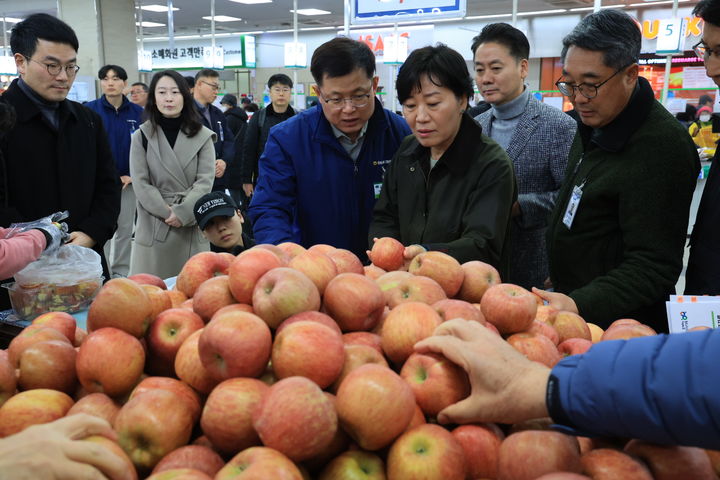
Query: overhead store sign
671, 38
295, 55
237, 52
373, 11
214, 59
411, 38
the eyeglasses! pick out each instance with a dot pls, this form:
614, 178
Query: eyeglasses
357, 101
54, 69
280, 90
703, 52
587, 90
214, 86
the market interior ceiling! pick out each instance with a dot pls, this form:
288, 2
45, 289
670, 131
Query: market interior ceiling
276, 15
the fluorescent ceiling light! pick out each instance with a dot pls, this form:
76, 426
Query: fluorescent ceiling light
223, 18
310, 29
541, 12
588, 9
480, 17
280, 31
311, 11
157, 8
665, 2
251, 2
13, 20
150, 24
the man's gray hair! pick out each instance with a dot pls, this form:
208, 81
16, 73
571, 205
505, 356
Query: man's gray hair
612, 32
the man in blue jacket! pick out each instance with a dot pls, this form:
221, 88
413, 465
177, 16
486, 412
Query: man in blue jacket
322, 169
120, 118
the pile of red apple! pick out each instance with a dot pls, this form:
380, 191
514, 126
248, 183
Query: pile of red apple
287, 363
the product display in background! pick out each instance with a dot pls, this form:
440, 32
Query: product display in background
685, 312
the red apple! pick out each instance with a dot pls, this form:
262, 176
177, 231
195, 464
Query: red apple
80, 336
235, 344
610, 464
531, 453
60, 321
98, 405
536, 347
8, 380
450, 308
322, 248
291, 249
415, 289
32, 407
714, 456
310, 316
570, 325
509, 307
110, 361
122, 304
427, 452
672, 462
374, 405
354, 465
346, 261
167, 333
481, 443
199, 268
227, 416
406, 325
49, 364
246, 270
388, 254
283, 292
279, 252
574, 346
563, 476
258, 463
177, 298
627, 331
317, 266
356, 356
391, 280
339, 443
371, 271
478, 277
148, 279
546, 314
442, 268
197, 457
363, 338
212, 295
436, 382
30, 336
159, 300
182, 391
180, 474
545, 329
296, 418
190, 369
354, 301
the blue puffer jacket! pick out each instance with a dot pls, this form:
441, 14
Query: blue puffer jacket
664, 389
309, 189
119, 125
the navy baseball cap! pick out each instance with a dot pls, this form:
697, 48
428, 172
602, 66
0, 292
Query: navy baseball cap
211, 205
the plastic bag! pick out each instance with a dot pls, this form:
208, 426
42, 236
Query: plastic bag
68, 265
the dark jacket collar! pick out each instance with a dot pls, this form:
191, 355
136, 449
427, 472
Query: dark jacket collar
287, 113
26, 109
124, 105
613, 136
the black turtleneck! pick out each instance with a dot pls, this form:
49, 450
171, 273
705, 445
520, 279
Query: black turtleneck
171, 128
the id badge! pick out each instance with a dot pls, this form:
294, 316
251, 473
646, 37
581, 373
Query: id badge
573, 205
377, 187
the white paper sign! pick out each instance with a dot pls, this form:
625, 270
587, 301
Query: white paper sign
671, 36
685, 312
295, 55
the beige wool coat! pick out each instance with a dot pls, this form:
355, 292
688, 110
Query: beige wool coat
162, 177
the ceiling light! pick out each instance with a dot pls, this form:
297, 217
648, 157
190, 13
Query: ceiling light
587, 9
12, 19
157, 8
541, 12
223, 18
251, 2
150, 24
480, 17
655, 3
281, 31
311, 11
311, 29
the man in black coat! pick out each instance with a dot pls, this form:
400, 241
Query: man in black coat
57, 157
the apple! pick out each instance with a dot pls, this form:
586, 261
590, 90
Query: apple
596, 332
317, 266
574, 346
391, 280
32, 407
545, 329
98, 405
235, 344
374, 406
570, 325
30, 336
354, 301
322, 248
339, 443
110, 361
49, 364
451, 308
672, 462
354, 465
346, 261
213, 294
182, 391
610, 464
627, 331
237, 307
311, 316
227, 416
356, 356
291, 249
199, 268
122, 304
177, 298
197, 457
536, 347
509, 307
167, 333
427, 452
296, 418
159, 300
283, 292
388, 254
180, 474
478, 277
246, 270
546, 314
8, 380
310, 350
531, 453
442, 268
259, 463
407, 324
415, 289
190, 369
63, 322
436, 382
363, 338
371, 271
116, 450
481, 444
80, 336
563, 476
279, 252
151, 425
148, 279
714, 456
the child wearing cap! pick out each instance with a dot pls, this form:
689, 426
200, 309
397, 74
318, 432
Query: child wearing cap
221, 222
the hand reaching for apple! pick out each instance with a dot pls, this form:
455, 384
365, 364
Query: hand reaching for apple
57, 450
558, 301
506, 387
411, 252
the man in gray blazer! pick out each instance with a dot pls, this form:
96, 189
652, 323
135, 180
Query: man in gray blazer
536, 136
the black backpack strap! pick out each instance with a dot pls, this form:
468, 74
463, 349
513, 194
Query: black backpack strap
144, 140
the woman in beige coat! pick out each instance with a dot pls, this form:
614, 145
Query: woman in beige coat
172, 164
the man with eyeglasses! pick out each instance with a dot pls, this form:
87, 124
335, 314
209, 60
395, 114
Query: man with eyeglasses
321, 171
207, 84
57, 157
139, 93
616, 235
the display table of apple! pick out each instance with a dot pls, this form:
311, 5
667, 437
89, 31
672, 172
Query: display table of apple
287, 363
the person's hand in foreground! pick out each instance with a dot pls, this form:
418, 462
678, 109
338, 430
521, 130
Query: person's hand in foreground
506, 386
411, 251
558, 301
56, 451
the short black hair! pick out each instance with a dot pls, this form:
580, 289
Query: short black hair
206, 72
252, 107
190, 124
119, 71
442, 66
40, 26
341, 56
709, 11
507, 35
705, 99
612, 32
280, 78
141, 84
190, 81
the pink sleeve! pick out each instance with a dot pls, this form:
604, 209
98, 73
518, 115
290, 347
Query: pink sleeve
18, 251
